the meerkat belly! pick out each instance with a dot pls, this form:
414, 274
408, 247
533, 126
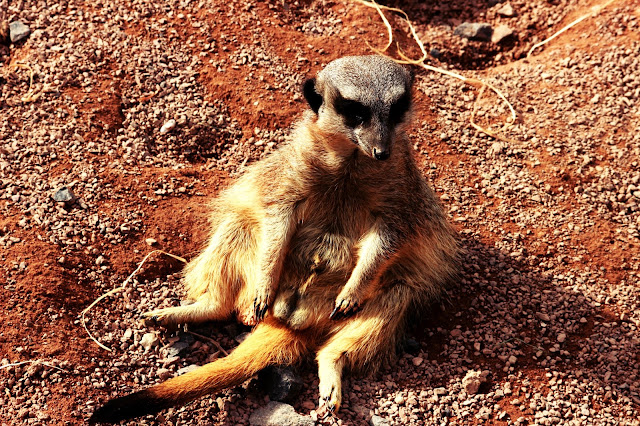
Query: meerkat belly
322, 253
325, 239
318, 264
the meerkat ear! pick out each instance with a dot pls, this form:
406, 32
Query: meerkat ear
310, 94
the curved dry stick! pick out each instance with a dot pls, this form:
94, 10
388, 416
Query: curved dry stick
209, 339
30, 96
378, 7
117, 290
37, 361
475, 109
596, 10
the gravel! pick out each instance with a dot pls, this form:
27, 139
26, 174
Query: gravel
144, 110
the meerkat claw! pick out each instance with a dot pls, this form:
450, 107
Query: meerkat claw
344, 309
259, 309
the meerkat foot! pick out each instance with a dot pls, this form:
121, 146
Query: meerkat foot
345, 307
330, 391
171, 317
161, 317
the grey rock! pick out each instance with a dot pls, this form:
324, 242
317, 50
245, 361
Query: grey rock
436, 53
474, 31
176, 348
502, 32
187, 338
18, 31
279, 414
64, 195
281, 383
379, 421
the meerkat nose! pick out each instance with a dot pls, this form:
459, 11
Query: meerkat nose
380, 155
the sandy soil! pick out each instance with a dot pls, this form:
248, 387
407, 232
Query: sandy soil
548, 299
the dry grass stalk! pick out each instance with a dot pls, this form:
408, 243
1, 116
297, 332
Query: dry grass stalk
594, 11
117, 290
31, 96
477, 83
37, 361
209, 339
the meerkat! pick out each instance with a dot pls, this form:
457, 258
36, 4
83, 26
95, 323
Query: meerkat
327, 244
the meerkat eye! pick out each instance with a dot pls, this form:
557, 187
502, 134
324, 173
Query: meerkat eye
399, 108
354, 112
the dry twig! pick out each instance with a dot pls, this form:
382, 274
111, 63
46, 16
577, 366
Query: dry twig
37, 361
209, 339
119, 289
594, 11
31, 96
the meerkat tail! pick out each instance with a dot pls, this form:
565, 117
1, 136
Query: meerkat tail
270, 343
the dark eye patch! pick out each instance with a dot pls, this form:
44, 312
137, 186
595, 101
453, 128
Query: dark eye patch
354, 112
399, 108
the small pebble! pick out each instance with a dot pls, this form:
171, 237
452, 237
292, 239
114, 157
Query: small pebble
148, 341
168, 126
506, 10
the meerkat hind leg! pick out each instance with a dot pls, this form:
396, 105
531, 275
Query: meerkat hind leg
362, 338
216, 277
201, 310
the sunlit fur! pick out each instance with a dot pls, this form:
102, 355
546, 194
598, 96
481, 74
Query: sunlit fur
318, 227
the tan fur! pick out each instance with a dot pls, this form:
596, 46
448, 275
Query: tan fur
320, 228
246, 360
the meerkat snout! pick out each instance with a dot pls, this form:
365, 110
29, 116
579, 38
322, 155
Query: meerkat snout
381, 155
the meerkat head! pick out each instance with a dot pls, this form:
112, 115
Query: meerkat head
365, 98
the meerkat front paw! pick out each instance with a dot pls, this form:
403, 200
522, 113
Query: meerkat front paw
346, 305
260, 305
